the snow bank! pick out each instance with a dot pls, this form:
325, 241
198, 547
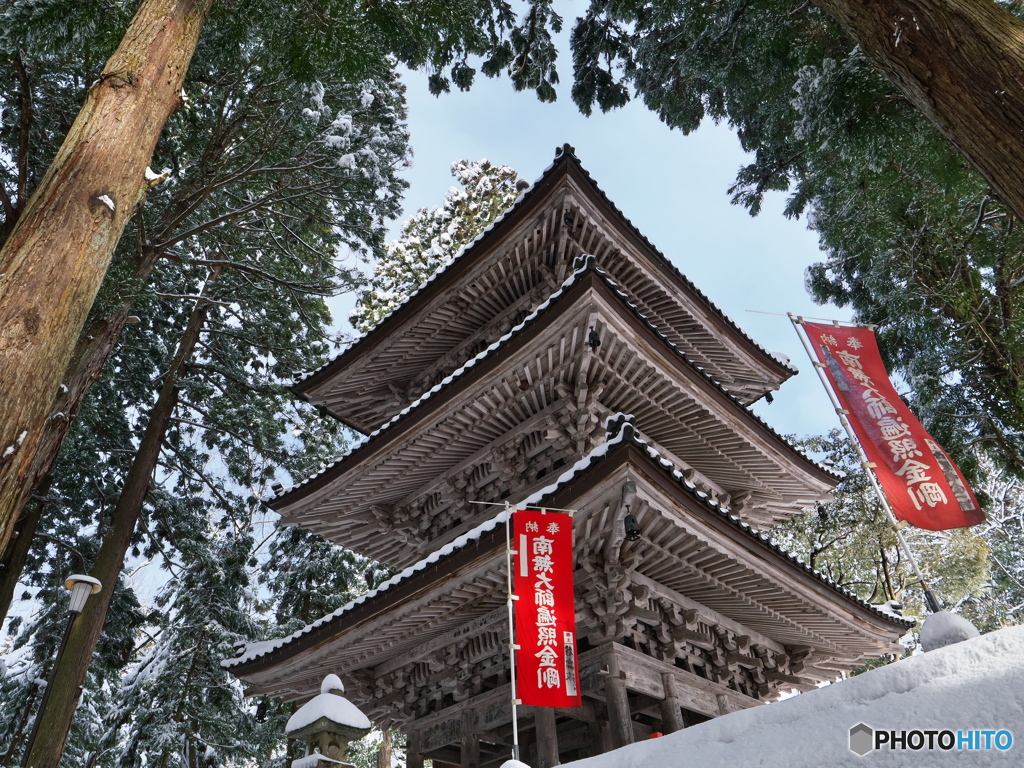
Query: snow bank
975, 684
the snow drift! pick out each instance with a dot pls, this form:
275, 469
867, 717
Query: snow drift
977, 684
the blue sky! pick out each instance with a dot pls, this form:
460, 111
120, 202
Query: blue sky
672, 186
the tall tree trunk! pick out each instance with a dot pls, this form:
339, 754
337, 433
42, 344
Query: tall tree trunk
16, 554
54, 260
962, 64
70, 674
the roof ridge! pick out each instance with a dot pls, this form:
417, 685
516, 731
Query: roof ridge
562, 153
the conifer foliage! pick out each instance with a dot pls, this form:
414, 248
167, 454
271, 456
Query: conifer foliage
916, 240
267, 186
432, 237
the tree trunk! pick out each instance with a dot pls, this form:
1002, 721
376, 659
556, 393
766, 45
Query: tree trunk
70, 675
962, 64
55, 258
15, 555
385, 749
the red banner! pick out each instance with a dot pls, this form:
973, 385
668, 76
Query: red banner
923, 485
546, 668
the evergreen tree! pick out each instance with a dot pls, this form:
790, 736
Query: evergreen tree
432, 237
65, 232
917, 241
227, 321
308, 578
178, 706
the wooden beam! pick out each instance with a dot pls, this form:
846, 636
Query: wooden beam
467, 630
413, 755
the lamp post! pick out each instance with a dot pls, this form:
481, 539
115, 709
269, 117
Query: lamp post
81, 587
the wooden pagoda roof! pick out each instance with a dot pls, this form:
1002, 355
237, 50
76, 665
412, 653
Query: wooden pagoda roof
500, 275
690, 544
515, 383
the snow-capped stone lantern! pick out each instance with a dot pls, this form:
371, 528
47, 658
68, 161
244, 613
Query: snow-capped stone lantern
327, 723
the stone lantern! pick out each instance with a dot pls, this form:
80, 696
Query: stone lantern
327, 723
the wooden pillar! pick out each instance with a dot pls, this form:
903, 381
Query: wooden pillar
413, 753
470, 753
618, 704
723, 704
547, 737
671, 717
600, 731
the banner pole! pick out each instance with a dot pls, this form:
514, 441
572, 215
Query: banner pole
511, 631
933, 602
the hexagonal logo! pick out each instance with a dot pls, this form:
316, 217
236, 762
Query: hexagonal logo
862, 739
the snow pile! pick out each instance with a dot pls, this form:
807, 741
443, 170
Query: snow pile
972, 685
332, 683
945, 628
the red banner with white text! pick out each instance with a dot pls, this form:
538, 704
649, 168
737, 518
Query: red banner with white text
545, 609
923, 485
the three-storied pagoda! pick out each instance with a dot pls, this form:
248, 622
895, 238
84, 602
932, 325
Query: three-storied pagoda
557, 361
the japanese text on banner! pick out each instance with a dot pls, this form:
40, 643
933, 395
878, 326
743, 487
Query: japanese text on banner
923, 485
545, 611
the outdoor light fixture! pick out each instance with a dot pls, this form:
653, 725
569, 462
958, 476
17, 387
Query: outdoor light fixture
632, 527
630, 521
81, 587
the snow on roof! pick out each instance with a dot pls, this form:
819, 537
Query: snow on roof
668, 263
975, 684
253, 651
335, 708
581, 266
441, 269
561, 153
620, 429
585, 266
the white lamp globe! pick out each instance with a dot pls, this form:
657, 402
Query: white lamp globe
81, 587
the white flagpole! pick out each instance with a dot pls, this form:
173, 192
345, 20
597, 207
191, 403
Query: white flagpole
930, 598
512, 647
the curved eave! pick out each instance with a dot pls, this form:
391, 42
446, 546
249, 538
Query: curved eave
459, 380
565, 163
438, 282
483, 541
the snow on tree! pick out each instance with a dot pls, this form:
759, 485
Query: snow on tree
222, 326
178, 706
60, 236
917, 240
851, 542
432, 237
